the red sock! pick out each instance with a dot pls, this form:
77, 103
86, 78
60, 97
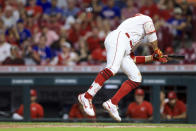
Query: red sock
98, 82
125, 88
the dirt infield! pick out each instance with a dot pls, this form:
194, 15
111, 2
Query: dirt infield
72, 125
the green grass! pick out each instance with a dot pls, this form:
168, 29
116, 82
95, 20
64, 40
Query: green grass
94, 127
100, 129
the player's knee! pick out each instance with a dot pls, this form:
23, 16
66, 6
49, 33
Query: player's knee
113, 69
106, 73
137, 78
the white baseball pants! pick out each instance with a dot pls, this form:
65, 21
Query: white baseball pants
118, 50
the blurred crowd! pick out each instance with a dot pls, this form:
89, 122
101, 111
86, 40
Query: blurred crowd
72, 32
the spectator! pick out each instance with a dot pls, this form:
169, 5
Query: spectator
140, 109
110, 11
36, 110
130, 10
93, 40
62, 4
54, 9
70, 21
12, 36
97, 7
163, 101
51, 36
10, 17
41, 52
189, 52
174, 22
66, 57
166, 8
174, 109
23, 32
5, 49
83, 52
177, 23
15, 58
32, 25
53, 23
27, 52
33, 9
99, 54
149, 8
45, 4
2, 27
76, 112
73, 34
188, 15
72, 9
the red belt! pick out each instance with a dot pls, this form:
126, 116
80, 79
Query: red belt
130, 40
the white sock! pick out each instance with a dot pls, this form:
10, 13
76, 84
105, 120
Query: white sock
95, 87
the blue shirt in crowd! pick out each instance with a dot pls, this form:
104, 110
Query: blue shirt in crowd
24, 35
110, 13
45, 53
44, 5
176, 22
53, 10
73, 12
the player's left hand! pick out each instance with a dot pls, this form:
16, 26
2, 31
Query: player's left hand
157, 54
162, 59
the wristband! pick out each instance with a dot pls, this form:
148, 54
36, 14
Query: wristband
140, 59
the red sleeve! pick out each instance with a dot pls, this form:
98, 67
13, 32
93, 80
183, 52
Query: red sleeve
20, 110
182, 107
40, 111
150, 109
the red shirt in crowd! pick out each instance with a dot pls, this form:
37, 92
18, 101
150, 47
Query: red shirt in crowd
76, 112
93, 43
178, 109
36, 111
151, 10
166, 14
141, 111
99, 54
34, 10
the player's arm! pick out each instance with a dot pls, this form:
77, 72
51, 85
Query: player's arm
181, 116
152, 39
142, 59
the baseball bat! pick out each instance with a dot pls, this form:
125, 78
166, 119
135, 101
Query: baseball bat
176, 57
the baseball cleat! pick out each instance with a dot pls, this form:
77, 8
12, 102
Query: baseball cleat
86, 104
112, 110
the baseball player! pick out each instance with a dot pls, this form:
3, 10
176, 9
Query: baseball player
119, 44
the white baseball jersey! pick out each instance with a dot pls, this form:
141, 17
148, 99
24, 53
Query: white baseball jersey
120, 42
138, 27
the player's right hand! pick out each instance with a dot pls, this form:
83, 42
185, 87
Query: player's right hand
163, 59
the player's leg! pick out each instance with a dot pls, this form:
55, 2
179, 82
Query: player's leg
115, 52
130, 69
